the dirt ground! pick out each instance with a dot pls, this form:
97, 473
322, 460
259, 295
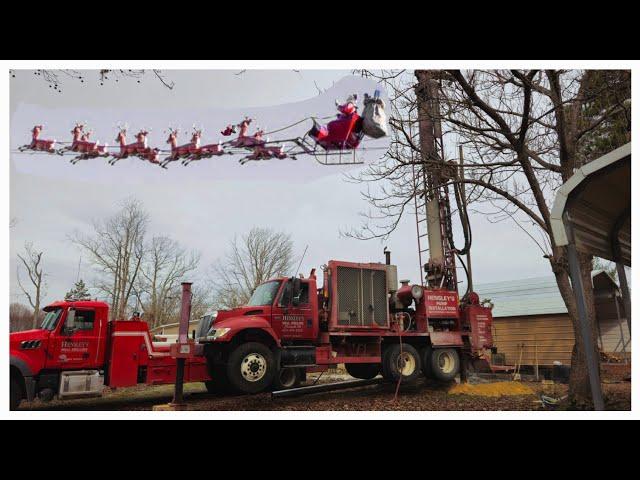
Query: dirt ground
424, 395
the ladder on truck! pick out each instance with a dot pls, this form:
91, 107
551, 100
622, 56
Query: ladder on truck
420, 207
426, 188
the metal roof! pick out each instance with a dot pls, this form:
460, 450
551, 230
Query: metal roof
597, 200
531, 296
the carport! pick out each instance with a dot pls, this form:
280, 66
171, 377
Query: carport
592, 214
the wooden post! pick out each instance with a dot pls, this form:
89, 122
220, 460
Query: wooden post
535, 344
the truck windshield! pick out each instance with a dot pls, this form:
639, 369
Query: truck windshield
51, 319
264, 294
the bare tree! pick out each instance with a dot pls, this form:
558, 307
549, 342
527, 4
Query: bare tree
254, 258
56, 78
201, 301
116, 250
21, 317
32, 262
524, 133
165, 265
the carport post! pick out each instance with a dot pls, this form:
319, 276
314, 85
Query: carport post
624, 289
617, 257
593, 364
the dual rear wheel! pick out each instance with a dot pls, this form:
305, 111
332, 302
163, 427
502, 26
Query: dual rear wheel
441, 364
401, 361
406, 362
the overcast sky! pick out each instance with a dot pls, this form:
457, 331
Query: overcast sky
205, 204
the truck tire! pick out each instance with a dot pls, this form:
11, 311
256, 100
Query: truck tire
445, 363
218, 386
365, 371
401, 362
302, 375
16, 394
251, 367
425, 357
286, 378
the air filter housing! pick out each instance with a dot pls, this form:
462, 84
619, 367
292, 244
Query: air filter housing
360, 295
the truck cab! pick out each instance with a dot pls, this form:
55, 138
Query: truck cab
280, 317
284, 308
72, 337
78, 351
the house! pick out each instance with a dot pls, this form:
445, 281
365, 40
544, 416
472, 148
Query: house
169, 331
531, 325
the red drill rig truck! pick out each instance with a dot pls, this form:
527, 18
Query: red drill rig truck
360, 317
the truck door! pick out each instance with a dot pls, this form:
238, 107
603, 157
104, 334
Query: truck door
292, 319
75, 345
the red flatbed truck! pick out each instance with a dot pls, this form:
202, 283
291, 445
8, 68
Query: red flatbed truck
361, 317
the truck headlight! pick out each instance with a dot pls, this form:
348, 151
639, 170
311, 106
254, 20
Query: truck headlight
216, 333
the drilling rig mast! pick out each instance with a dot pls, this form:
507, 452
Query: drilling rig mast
432, 179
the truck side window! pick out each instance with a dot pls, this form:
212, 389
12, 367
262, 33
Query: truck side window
287, 292
85, 319
304, 294
285, 298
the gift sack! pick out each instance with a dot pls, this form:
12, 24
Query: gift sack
374, 118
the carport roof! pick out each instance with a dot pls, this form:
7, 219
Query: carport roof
597, 199
533, 296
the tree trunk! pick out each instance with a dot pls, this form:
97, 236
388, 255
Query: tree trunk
36, 309
579, 385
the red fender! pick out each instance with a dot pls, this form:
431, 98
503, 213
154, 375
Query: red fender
239, 324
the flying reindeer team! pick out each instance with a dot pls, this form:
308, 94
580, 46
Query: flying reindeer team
343, 133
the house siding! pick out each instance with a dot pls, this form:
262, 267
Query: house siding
532, 339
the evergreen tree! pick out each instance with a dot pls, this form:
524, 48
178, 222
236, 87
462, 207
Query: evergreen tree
78, 292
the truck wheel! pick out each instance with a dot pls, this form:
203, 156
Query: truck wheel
401, 362
365, 371
302, 375
286, 378
445, 363
16, 394
218, 386
425, 356
251, 367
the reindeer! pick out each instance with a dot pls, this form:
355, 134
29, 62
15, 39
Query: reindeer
139, 148
181, 151
76, 133
38, 144
128, 149
87, 149
204, 151
143, 150
262, 152
244, 140
81, 144
244, 127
